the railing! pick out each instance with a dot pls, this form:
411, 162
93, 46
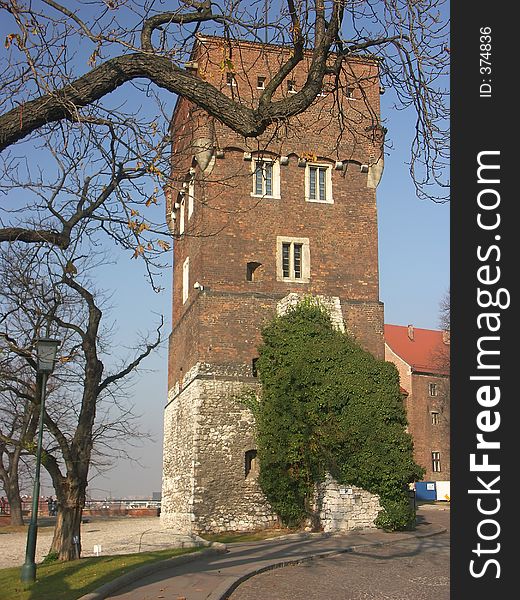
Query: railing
43, 508
94, 505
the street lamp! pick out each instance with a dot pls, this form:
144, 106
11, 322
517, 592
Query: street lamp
46, 349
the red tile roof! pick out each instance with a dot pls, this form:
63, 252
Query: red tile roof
425, 353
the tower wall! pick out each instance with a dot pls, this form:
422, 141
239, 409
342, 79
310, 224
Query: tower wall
220, 302
207, 487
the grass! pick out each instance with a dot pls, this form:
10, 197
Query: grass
256, 536
71, 580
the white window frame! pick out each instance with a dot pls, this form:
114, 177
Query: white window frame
185, 279
191, 197
432, 389
434, 414
327, 183
181, 215
275, 183
305, 259
436, 462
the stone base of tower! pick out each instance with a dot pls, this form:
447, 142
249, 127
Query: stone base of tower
209, 470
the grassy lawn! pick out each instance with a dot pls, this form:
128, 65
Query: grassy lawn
71, 580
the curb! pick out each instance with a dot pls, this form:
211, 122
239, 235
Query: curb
223, 591
113, 586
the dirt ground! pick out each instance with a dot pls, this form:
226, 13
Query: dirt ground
114, 536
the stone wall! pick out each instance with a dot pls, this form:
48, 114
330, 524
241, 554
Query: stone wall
205, 485
345, 507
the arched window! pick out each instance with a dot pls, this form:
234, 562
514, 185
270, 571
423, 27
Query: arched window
250, 463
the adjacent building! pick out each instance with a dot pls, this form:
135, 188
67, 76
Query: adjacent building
422, 357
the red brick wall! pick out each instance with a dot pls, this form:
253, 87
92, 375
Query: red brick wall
429, 437
230, 228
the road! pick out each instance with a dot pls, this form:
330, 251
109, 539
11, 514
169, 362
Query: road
417, 569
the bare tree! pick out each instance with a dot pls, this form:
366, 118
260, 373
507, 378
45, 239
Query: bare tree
48, 294
445, 311
69, 73
18, 420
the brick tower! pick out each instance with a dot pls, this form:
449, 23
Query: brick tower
259, 222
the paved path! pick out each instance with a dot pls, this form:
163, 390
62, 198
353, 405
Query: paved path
416, 569
215, 576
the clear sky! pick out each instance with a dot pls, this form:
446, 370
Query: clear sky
414, 276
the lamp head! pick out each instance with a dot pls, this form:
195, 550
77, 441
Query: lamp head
46, 349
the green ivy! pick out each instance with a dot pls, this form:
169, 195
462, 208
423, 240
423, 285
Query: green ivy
328, 406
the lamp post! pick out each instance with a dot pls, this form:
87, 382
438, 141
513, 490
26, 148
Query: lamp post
46, 349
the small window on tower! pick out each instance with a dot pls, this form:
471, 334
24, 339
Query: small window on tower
260, 82
254, 369
251, 269
251, 465
230, 79
191, 197
185, 279
266, 178
291, 86
293, 260
181, 216
318, 183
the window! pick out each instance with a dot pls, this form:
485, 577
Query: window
318, 183
181, 216
435, 417
250, 466
266, 178
230, 79
250, 270
254, 369
293, 260
436, 462
291, 86
260, 82
191, 197
432, 389
185, 279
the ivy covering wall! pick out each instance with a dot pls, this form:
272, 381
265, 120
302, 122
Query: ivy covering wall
327, 405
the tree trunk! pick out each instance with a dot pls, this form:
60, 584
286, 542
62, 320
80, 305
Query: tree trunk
67, 533
12, 492
16, 511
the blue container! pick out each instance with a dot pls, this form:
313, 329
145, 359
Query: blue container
425, 490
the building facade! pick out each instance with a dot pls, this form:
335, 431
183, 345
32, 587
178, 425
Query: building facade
258, 221
422, 359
